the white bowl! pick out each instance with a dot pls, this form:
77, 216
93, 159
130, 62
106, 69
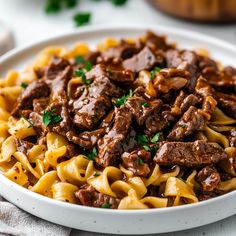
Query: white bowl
120, 221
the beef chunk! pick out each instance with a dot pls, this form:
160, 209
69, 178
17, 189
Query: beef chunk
123, 51
141, 109
90, 197
36, 89
120, 75
111, 145
189, 154
86, 139
40, 104
94, 104
203, 88
56, 67
136, 162
183, 102
156, 42
158, 120
72, 150
23, 146
193, 119
144, 60
184, 60
227, 103
208, 178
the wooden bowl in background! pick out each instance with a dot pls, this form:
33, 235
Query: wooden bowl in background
199, 10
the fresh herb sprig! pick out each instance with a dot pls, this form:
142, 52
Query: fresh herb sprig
24, 85
91, 155
82, 18
106, 205
122, 100
50, 117
154, 72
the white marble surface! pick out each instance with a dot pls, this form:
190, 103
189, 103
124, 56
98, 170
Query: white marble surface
29, 23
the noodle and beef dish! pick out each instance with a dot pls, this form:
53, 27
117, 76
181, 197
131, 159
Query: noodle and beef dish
134, 124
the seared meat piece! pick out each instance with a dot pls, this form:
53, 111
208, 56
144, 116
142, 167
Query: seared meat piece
120, 75
56, 67
184, 60
92, 57
40, 104
36, 89
37, 121
157, 121
192, 120
72, 150
232, 139
111, 145
123, 51
156, 42
86, 139
91, 107
141, 108
208, 178
208, 106
189, 154
203, 88
227, 103
144, 60
136, 162
23, 146
183, 102
90, 197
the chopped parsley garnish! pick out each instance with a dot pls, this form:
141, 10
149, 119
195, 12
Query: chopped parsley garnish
106, 205
82, 18
71, 3
146, 104
146, 148
88, 66
91, 155
140, 161
52, 6
122, 100
155, 138
154, 71
49, 117
141, 139
119, 2
153, 150
80, 72
79, 60
96, 174
24, 85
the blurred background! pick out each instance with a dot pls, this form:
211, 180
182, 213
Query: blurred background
33, 20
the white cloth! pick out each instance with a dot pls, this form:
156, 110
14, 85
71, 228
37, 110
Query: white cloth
14, 221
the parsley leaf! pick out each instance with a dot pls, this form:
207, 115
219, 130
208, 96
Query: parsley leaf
49, 117
118, 2
154, 71
79, 60
106, 205
146, 148
80, 72
91, 155
71, 3
122, 100
82, 18
141, 139
140, 161
88, 66
145, 104
29, 120
96, 174
24, 85
155, 138
153, 151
